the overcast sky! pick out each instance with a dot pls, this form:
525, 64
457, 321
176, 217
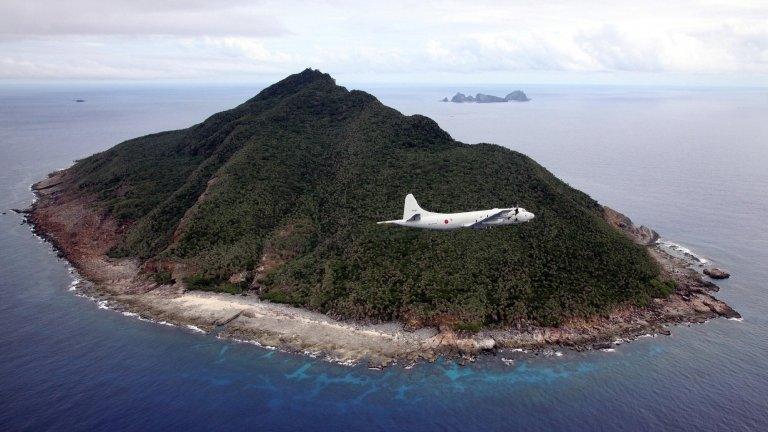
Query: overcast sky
714, 42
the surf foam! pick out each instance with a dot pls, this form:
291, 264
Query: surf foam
681, 251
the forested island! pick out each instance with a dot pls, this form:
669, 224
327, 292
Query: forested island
260, 222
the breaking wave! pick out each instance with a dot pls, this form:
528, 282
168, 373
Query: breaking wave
77, 285
681, 251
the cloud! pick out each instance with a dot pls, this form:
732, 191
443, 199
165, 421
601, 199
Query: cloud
30, 19
248, 48
608, 48
237, 39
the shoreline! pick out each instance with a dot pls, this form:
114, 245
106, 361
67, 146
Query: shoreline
82, 235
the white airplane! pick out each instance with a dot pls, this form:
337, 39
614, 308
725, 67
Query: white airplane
416, 217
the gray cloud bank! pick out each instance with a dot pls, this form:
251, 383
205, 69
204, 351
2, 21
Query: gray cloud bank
24, 19
142, 39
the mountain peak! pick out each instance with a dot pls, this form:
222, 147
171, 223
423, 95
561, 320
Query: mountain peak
312, 74
296, 82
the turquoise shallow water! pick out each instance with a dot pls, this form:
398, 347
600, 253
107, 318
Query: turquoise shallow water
691, 163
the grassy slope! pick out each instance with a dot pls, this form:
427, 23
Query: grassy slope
304, 169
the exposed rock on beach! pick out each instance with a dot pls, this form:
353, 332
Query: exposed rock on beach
716, 273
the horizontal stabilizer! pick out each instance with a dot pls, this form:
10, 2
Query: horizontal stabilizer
390, 222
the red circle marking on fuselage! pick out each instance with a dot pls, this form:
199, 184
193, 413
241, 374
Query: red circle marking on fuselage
446, 222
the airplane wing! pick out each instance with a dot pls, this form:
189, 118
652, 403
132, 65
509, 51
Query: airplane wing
486, 219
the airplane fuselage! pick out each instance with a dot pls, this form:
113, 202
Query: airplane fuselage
416, 217
472, 219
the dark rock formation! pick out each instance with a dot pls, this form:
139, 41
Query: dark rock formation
716, 273
461, 97
640, 234
484, 98
517, 96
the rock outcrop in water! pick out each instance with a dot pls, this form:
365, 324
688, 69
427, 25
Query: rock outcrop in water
516, 96
716, 273
484, 98
277, 198
461, 97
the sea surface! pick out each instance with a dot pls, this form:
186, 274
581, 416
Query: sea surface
691, 163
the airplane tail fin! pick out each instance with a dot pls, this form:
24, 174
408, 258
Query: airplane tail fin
411, 207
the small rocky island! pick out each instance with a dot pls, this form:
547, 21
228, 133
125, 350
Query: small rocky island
515, 96
258, 224
716, 273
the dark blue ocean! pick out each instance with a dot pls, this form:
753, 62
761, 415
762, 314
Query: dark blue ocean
692, 163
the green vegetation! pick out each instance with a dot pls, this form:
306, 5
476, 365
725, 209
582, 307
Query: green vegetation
163, 278
299, 175
663, 287
202, 283
472, 327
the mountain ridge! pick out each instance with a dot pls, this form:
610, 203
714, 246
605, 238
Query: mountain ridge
278, 196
